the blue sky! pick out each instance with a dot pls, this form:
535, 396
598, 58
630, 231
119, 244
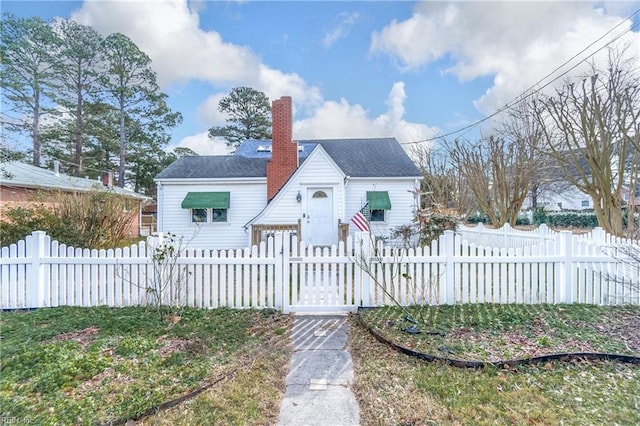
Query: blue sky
412, 70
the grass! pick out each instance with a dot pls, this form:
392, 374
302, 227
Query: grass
395, 389
98, 365
487, 332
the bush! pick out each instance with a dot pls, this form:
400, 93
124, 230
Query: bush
539, 216
94, 219
572, 220
433, 222
478, 218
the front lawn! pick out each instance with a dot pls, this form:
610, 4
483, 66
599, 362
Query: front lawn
100, 365
397, 389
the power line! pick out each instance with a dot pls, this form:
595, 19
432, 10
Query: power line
525, 93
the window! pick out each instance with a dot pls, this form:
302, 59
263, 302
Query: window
219, 215
319, 194
377, 215
585, 203
199, 215
378, 202
207, 204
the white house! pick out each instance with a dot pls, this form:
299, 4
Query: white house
313, 187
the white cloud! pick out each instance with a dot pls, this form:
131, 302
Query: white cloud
344, 21
208, 111
517, 43
169, 32
342, 120
203, 145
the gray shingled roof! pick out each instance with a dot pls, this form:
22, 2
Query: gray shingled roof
24, 175
376, 157
215, 166
380, 157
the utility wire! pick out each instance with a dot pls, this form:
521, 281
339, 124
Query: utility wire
525, 93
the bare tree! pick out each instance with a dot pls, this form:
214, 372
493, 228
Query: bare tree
499, 172
590, 128
442, 186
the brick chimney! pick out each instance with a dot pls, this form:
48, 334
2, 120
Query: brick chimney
284, 150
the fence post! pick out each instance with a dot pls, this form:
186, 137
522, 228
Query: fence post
564, 289
35, 274
279, 274
449, 251
283, 291
598, 235
543, 229
506, 230
480, 232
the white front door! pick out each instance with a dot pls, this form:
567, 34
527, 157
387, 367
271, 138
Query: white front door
320, 227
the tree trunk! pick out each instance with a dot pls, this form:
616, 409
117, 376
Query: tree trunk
122, 145
35, 131
79, 129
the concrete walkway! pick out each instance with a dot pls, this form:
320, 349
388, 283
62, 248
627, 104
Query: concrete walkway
320, 375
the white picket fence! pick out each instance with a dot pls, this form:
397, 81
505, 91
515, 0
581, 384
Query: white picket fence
506, 236
286, 274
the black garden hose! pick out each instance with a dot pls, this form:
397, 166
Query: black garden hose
460, 363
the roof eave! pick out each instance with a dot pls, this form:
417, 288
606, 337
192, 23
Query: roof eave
186, 181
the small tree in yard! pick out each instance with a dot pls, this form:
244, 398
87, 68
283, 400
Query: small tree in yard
429, 224
165, 287
387, 268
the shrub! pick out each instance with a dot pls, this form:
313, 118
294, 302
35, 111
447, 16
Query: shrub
428, 225
478, 217
539, 216
18, 222
93, 219
572, 220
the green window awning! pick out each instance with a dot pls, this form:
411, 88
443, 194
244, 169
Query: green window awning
378, 200
205, 200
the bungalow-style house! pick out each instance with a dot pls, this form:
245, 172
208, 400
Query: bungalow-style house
21, 183
313, 187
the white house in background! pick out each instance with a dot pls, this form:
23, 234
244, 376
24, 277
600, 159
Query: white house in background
569, 199
572, 199
313, 187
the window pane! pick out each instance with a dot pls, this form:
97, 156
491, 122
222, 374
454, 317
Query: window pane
377, 215
198, 215
219, 215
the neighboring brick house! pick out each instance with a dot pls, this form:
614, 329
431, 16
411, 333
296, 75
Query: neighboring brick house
22, 183
313, 187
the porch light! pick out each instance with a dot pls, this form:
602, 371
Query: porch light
299, 197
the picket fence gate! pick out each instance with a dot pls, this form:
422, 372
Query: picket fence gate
286, 274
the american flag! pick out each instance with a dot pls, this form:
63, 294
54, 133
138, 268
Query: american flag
360, 219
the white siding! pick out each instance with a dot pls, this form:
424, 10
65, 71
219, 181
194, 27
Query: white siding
403, 202
318, 171
246, 201
570, 199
